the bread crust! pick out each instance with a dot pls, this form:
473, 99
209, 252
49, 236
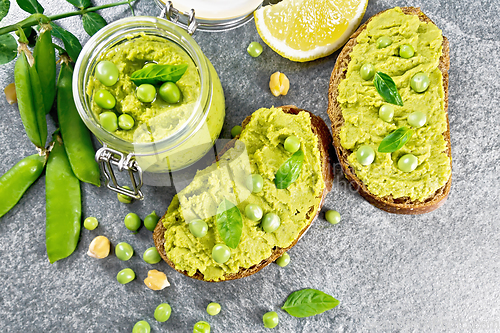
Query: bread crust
320, 129
400, 205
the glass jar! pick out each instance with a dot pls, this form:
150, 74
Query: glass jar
187, 144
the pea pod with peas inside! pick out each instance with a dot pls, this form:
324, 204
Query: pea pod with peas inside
45, 64
63, 205
76, 137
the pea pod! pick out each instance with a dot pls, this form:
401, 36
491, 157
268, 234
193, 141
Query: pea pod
36, 89
63, 205
76, 136
45, 64
18, 179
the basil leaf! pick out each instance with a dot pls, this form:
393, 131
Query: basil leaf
4, 8
71, 43
387, 88
30, 6
229, 223
93, 22
289, 171
395, 140
309, 302
82, 4
158, 74
8, 48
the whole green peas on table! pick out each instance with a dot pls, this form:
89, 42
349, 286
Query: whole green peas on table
201, 327
332, 216
45, 63
235, 131
284, 260
170, 93
90, 223
141, 326
124, 198
124, 251
213, 309
270, 319
125, 276
132, 221
151, 221
163, 312
254, 49
151, 256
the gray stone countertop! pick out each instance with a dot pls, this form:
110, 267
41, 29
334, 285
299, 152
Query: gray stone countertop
437, 272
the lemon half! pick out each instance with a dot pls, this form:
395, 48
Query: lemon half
303, 30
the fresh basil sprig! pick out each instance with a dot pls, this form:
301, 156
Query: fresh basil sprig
395, 140
309, 302
387, 88
156, 74
229, 223
289, 171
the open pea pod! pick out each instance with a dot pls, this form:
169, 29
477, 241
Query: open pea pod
63, 205
18, 179
45, 64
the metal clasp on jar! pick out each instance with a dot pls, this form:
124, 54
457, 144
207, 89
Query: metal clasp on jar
173, 15
107, 157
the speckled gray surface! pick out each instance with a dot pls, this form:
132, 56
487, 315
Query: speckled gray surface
437, 272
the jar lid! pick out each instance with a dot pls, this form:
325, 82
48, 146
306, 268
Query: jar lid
216, 15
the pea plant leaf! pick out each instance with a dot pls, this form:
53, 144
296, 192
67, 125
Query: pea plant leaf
71, 43
92, 22
308, 302
4, 8
395, 140
156, 74
30, 6
8, 48
229, 223
387, 88
289, 171
82, 4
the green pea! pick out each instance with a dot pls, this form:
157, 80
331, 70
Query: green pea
146, 93
198, 228
367, 71
236, 130
213, 309
221, 253
124, 198
332, 216
201, 327
170, 93
132, 221
149, 64
417, 119
386, 113
254, 49
255, 183
420, 82
90, 223
271, 222
270, 319
365, 155
151, 221
124, 251
104, 99
107, 73
383, 41
406, 51
292, 144
151, 256
253, 212
125, 121
284, 260
162, 312
141, 327
408, 163
108, 121
125, 276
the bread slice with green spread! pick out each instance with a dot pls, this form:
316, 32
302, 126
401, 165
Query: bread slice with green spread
354, 105
259, 149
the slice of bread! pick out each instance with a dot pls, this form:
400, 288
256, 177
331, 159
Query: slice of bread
320, 129
392, 205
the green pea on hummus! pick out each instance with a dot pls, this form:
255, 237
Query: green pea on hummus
360, 103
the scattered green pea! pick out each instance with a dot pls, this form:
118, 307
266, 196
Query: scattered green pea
162, 312
386, 112
124, 198
90, 223
407, 163
126, 122
255, 183
151, 221
125, 276
417, 119
124, 251
383, 41
292, 144
367, 71
236, 130
332, 216
107, 73
284, 260
365, 155
170, 93
198, 228
271, 222
146, 93
221, 253
151, 256
406, 51
270, 319
132, 221
253, 212
104, 99
141, 327
254, 49
213, 309
420, 82
108, 121
201, 327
